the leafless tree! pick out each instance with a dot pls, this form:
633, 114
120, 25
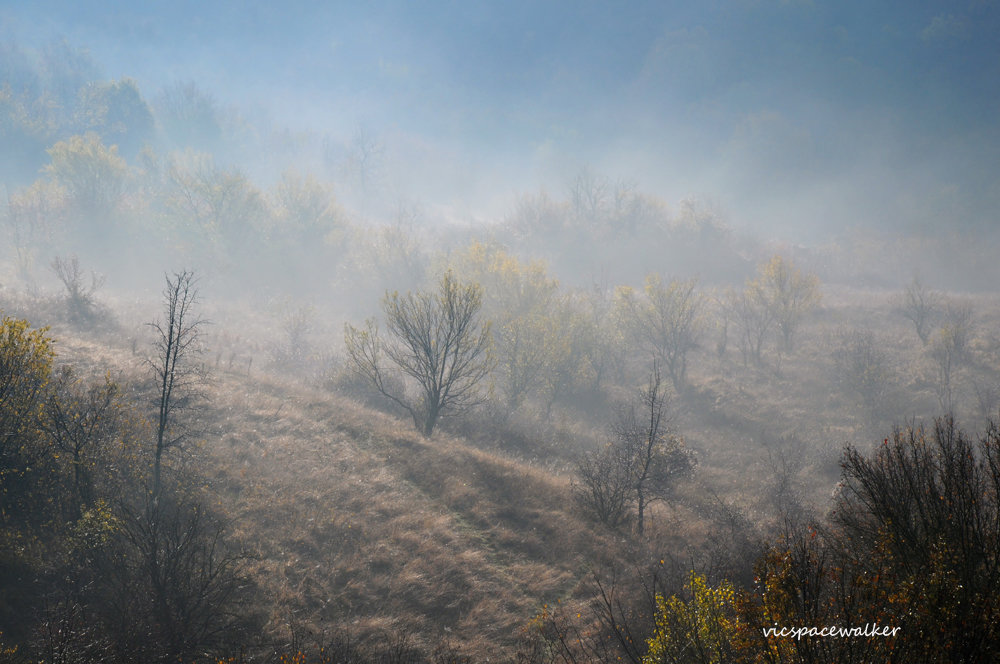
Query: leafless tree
365, 162
294, 351
176, 588
987, 397
31, 216
176, 344
945, 366
640, 465
590, 195
958, 326
605, 486
949, 352
437, 341
79, 297
658, 457
920, 307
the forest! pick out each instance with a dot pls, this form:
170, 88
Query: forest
260, 402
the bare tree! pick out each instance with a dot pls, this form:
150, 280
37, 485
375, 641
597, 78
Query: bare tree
640, 465
79, 297
436, 341
958, 326
32, 215
753, 320
605, 488
294, 351
920, 307
658, 457
591, 196
182, 589
176, 342
949, 352
987, 398
365, 162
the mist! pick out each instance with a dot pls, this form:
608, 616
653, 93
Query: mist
799, 118
527, 332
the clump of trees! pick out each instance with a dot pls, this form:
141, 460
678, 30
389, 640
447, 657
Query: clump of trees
909, 544
107, 552
945, 327
909, 549
601, 222
521, 301
436, 341
549, 344
93, 175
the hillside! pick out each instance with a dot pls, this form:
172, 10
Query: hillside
359, 528
470, 545
359, 521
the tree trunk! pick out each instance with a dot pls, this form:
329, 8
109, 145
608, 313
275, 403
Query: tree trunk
642, 512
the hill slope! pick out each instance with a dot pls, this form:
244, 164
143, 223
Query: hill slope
358, 520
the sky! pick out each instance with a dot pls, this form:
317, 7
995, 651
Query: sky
795, 117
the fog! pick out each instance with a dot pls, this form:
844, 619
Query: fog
799, 118
525, 331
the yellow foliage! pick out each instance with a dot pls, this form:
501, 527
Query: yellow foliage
512, 287
786, 292
699, 629
92, 173
538, 337
25, 367
95, 527
666, 318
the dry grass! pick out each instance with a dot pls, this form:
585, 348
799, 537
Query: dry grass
358, 520
358, 523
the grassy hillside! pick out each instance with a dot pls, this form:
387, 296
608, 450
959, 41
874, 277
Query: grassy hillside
469, 543
359, 521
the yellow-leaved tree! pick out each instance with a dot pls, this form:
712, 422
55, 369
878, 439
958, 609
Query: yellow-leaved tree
93, 175
523, 303
25, 368
787, 293
667, 319
702, 627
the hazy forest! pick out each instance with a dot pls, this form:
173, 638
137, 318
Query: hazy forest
534, 334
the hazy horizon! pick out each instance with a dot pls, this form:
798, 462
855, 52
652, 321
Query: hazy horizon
796, 118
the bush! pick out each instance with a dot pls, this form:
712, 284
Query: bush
911, 544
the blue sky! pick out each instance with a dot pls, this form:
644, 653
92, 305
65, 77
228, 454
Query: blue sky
791, 114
